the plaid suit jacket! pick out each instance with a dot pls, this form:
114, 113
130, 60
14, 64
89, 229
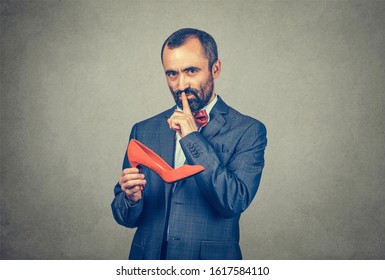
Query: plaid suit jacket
204, 210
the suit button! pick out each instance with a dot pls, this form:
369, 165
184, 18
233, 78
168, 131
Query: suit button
189, 145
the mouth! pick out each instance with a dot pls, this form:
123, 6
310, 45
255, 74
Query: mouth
188, 96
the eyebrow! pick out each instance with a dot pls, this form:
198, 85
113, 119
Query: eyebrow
191, 68
169, 71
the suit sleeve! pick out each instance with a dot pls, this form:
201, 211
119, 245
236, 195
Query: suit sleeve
228, 188
124, 213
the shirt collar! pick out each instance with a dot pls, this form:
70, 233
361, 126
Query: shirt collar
209, 106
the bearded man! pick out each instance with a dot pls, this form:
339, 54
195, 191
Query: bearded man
197, 217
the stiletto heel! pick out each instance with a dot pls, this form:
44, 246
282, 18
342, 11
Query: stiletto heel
139, 154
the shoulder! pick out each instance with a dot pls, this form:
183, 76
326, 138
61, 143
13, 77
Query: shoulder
150, 127
249, 131
157, 119
238, 119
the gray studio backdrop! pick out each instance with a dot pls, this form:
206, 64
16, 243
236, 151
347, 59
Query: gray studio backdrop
76, 75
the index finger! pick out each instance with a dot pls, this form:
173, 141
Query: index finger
131, 170
186, 106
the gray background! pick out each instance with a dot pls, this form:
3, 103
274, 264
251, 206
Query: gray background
76, 75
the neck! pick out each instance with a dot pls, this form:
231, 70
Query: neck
212, 98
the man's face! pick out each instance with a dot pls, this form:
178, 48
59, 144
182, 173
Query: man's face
187, 71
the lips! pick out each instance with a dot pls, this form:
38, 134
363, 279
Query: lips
189, 96
187, 91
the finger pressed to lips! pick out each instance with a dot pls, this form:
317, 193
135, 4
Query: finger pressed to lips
186, 106
188, 96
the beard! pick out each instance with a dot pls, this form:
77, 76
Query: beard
201, 97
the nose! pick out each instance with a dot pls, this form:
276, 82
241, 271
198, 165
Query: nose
183, 82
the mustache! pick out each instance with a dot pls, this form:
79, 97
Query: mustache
186, 91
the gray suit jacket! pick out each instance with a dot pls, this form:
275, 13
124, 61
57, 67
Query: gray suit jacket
204, 209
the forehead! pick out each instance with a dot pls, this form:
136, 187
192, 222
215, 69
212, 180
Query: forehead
189, 54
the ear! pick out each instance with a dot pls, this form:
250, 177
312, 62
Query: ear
216, 69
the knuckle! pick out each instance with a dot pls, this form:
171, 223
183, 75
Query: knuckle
128, 185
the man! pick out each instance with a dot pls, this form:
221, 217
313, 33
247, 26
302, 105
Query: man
197, 217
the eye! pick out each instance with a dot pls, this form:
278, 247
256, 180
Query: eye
192, 71
171, 74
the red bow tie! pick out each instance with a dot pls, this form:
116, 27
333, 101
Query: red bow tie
201, 118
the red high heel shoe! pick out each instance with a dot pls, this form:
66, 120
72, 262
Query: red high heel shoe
139, 154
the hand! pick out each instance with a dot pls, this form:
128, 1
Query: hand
132, 183
183, 121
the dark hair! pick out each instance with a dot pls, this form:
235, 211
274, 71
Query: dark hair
178, 38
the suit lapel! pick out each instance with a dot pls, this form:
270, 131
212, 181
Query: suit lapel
217, 119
